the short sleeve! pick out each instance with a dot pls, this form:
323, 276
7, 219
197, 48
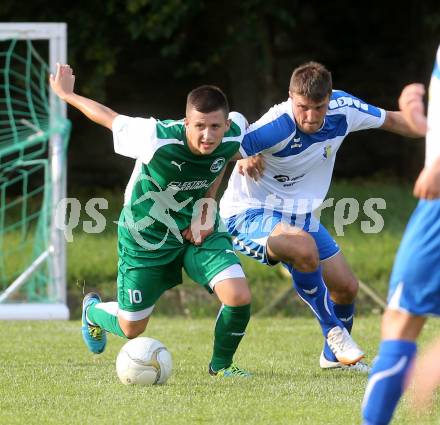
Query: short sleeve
274, 127
132, 136
360, 115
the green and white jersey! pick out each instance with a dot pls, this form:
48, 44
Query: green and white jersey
167, 180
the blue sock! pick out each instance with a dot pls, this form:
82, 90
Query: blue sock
312, 290
386, 381
345, 313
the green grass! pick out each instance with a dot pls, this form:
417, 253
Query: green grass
48, 377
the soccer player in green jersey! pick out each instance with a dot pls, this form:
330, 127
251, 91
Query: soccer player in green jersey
159, 231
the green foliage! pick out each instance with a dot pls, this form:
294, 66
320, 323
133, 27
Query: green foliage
49, 377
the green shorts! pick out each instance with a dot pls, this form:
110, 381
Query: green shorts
141, 281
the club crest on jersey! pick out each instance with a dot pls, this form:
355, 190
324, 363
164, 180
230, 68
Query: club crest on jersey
327, 152
217, 165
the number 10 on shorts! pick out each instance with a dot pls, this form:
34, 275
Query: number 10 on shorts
135, 296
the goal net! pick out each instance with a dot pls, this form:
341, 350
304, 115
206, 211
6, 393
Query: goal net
34, 133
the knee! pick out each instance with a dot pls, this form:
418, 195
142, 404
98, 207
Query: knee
233, 292
242, 297
306, 257
346, 291
238, 297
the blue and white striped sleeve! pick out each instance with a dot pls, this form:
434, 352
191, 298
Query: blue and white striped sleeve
268, 131
360, 115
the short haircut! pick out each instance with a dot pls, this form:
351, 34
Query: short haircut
312, 80
207, 99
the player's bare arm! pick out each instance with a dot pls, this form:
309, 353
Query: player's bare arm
253, 166
63, 83
395, 122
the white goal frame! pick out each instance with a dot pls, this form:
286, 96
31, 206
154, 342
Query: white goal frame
56, 35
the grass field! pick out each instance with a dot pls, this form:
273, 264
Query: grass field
48, 377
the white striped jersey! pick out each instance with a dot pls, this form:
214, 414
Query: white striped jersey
299, 166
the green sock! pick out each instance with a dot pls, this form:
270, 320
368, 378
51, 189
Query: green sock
229, 330
105, 315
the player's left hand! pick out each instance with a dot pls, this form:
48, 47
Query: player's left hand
202, 225
196, 238
252, 166
428, 183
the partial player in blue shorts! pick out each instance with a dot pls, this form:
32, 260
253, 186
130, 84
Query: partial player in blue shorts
415, 280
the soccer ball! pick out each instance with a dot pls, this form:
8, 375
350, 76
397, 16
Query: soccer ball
144, 361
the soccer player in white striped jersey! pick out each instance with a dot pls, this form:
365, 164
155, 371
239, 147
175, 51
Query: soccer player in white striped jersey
272, 220
414, 291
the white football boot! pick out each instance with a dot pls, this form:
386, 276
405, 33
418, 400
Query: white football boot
343, 346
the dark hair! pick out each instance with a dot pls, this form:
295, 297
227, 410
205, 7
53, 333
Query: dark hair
207, 99
311, 80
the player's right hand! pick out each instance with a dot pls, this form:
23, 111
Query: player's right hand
252, 166
63, 82
428, 183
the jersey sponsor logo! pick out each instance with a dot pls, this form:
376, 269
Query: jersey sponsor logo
217, 165
296, 143
191, 185
179, 166
347, 101
289, 181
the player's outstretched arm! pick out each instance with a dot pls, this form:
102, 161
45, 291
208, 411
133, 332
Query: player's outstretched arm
395, 122
62, 84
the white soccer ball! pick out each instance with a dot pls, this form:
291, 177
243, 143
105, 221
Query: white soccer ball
144, 361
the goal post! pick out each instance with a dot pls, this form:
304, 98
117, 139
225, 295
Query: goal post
34, 132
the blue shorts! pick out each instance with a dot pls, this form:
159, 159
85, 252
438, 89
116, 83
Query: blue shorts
415, 280
251, 229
